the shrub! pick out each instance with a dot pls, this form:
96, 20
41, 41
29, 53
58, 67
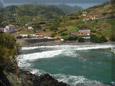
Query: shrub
53, 34
61, 31
8, 49
80, 39
112, 38
63, 34
70, 37
34, 30
98, 39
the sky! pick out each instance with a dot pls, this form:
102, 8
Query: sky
82, 3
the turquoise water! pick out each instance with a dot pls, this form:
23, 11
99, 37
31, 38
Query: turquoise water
72, 65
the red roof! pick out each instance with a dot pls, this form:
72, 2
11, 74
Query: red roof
10, 25
84, 31
96, 15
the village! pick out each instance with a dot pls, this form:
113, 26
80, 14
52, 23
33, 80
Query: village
83, 33
11, 29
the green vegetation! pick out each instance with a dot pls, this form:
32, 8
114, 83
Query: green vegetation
112, 29
8, 50
22, 14
53, 34
70, 37
54, 26
80, 39
69, 9
98, 39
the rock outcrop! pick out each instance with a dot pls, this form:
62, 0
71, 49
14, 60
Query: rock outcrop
25, 78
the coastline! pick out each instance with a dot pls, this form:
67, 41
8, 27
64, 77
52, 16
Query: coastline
33, 43
25, 78
31, 77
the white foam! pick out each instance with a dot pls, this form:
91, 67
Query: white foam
75, 47
25, 59
71, 53
37, 72
75, 80
66, 50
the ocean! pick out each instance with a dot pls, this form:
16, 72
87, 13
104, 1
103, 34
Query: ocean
76, 65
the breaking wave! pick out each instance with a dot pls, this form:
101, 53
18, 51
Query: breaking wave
75, 47
70, 79
25, 60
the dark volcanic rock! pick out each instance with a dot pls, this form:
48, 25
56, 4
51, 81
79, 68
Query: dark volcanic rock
29, 79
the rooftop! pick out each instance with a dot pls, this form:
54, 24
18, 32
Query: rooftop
10, 25
85, 31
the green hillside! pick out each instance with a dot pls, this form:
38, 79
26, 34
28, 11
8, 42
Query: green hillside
56, 24
22, 14
69, 9
102, 26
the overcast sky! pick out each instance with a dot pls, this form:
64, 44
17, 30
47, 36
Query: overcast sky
56, 1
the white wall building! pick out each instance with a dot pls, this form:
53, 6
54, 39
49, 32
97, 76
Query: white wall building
84, 32
9, 29
30, 28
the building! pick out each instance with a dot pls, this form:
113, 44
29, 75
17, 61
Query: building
30, 28
9, 29
84, 32
84, 13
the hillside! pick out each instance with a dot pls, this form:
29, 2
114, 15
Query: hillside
102, 25
22, 14
69, 9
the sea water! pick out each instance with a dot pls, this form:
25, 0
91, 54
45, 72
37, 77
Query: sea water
76, 65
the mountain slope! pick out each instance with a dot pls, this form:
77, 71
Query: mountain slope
33, 10
101, 26
69, 9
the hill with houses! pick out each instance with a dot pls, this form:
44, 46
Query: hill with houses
97, 20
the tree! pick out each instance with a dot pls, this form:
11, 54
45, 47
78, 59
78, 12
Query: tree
73, 37
34, 30
98, 38
8, 49
80, 39
53, 34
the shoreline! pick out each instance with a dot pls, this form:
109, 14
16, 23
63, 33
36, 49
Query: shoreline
52, 43
34, 43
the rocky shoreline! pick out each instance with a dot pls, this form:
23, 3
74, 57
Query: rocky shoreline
43, 80
32, 43
25, 78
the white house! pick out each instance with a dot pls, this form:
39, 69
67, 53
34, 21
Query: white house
9, 29
84, 32
30, 28
84, 13
23, 35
